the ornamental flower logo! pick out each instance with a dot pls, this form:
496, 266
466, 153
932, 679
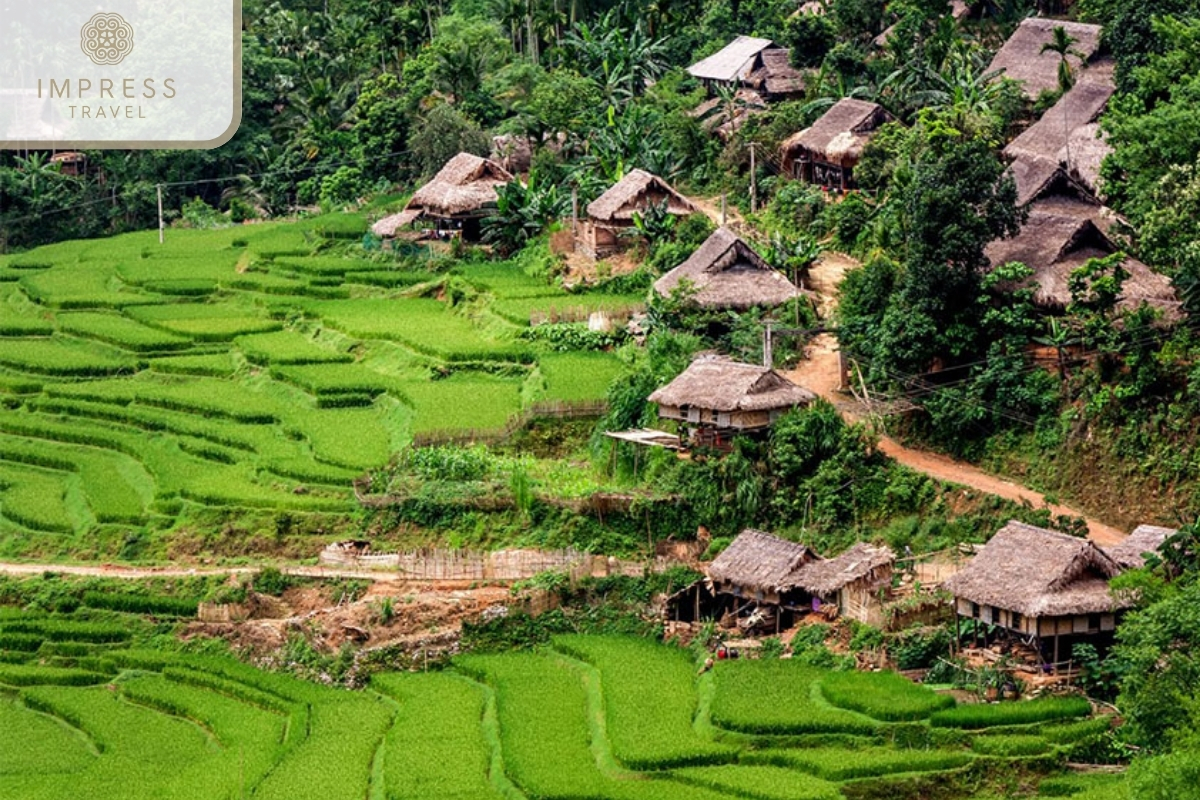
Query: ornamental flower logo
106, 39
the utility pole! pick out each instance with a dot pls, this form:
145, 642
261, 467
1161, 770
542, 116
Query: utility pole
160, 217
753, 183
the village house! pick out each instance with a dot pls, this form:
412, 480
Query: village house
611, 214
1022, 59
751, 63
1131, 552
763, 581
1046, 588
1065, 144
456, 200
726, 273
716, 399
827, 152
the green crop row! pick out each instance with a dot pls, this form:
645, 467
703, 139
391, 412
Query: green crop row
81, 287
1024, 712
35, 499
1010, 745
883, 695
19, 642
216, 365
762, 782
777, 697
287, 347
438, 724
66, 630
649, 701
320, 379
122, 332
32, 743
68, 357
141, 603
842, 764
207, 322
29, 675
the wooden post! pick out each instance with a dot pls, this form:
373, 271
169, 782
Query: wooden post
1055, 665
957, 632
722, 209
753, 182
160, 216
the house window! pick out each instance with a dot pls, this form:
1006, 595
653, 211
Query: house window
1016, 621
1093, 622
975, 610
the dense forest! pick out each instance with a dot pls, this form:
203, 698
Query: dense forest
349, 102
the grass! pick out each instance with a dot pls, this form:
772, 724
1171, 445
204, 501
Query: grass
882, 695
649, 701
777, 697
1025, 712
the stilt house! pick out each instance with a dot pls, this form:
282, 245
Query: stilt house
715, 399
751, 63
1131, 553
726, 273
852, 581
460, 195
1046, 587
827, 152
611, 214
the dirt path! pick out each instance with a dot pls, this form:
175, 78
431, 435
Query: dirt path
820, 374
138, 573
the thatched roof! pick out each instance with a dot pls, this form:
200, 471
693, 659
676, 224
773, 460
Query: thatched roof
1060, 236
636, 192
1038, 573
827, 576
733, 62
718, 384
1144, 539
726, 273
1021, 58
1060, 138
760, 562
467, 183
773, 73
839, 136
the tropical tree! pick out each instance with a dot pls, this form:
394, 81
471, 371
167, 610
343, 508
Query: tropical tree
1062, 45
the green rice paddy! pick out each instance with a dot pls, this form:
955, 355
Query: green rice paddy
257, 366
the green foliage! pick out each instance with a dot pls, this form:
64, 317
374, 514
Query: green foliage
839, 764
882, 695
141, 603
1010, 745
777, 697
765, 781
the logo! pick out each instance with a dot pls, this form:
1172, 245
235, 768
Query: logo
106, 39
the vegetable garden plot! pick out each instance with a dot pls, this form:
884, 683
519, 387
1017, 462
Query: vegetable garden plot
438, 724
649, 701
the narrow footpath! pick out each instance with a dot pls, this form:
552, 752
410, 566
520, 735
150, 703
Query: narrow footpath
819, 374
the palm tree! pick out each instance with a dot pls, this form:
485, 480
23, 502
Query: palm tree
1061, 43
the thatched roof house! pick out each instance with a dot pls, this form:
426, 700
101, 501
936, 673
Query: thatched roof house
725, 272
612, 212
1065, 137
724, 119
1040, 584
827, 152
458, 196
1021, 58
716, 398
1130, 553
733, 63
863, 561
1061, 234
774, 76
760, 565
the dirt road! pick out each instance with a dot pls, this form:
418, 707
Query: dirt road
820, 374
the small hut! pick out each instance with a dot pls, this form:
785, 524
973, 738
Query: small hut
1041, 585
715, 399
726, 273
1066, 138
762, 567
774, 77
460, 195
852, 581
70, 163
1021, 58
1061, 234
723, 118
1131, 552
827, 152
611, 214
733, 63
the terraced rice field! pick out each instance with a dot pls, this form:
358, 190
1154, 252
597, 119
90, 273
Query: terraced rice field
595, 717
258, 366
